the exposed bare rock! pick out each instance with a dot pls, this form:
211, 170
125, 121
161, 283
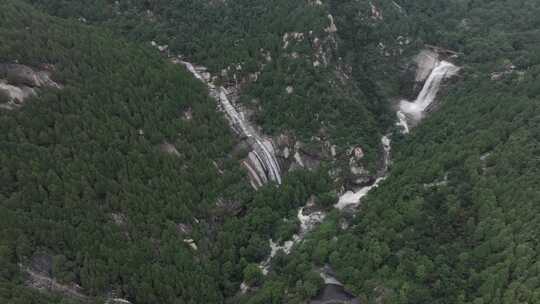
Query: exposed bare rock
254, 178
284, 140
332, 28
188, 114
289, 89
119, 219
323, 47
359, 175
334, 294
169, 149
292, 36
191, 243
184, 228
266, 54
376, 13
425, 62
315, 2
41, 280
333, 151
117, 301
12, 97
382, 294
298, 159
21, 75
19, 82
253, 77
310, 156
506, 70
286, 152
262, 161
358, 153
228, 207
438, 183
399, 7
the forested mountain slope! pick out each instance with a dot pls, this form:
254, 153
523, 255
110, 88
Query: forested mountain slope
81, 165
457, 219
124, 181
282, 56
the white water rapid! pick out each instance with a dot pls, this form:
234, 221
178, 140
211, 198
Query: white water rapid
415, 110
351, 199
263, 157
307, 223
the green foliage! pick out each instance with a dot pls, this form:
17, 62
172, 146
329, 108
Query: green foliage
242, 34
471, 239
84, 181
253, 275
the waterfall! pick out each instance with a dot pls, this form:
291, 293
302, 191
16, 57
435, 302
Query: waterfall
307, 223
415, 110
351, 199
262, 156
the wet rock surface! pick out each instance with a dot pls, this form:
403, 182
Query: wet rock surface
334, 294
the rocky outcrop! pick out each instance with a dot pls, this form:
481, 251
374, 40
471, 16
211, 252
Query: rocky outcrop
332, 28
39, 276
334, 294
294, 154
349, 200
425, 63
19, 82
169, 148
21, 75
12, 97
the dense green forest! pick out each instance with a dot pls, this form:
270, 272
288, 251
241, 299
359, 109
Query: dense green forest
228, 34
457, 220
85, 184
87, 190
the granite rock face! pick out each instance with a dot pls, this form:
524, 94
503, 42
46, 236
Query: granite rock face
19, 82
22, 75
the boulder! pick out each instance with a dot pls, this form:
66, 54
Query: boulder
22, 75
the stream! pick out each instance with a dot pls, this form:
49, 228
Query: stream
334, 291
264, 165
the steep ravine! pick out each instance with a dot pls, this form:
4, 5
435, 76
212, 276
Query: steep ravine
263, 166
434, 73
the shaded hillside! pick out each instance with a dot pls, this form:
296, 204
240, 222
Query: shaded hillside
285, 58
456, 221
123, 180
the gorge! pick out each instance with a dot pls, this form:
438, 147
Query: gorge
269, 151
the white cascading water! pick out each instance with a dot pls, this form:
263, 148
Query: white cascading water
262, 156
307, 223
310, 221
415, 110
351, 198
